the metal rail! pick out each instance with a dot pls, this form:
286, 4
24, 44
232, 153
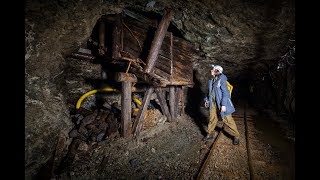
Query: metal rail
205, 162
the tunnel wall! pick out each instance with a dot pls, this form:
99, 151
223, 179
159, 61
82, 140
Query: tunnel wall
52, 30
234, 34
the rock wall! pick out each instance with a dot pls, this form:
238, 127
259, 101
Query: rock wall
240, 35
52, 30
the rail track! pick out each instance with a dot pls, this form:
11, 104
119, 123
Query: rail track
222, 159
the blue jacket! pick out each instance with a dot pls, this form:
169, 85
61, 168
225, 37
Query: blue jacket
222, 95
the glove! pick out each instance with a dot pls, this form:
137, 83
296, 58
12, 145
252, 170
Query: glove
223, 109
206, 102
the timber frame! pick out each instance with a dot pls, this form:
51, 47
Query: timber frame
152, 56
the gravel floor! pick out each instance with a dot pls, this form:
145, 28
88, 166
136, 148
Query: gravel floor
176, 151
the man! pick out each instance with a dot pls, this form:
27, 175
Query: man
219, 100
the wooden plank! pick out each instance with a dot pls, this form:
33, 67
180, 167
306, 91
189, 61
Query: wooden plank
140, 74
180, 75
164, 81
165, 48
125, 108
164, 61
161, 73
143, 29
176, 48
158, 81
117, 39
129, 52
183, 73
171, 56
157, 41
133, 38
181, 83
177, 100
187, 69
180, 43
163, 103
179, 46
163, 64
172, 101
139, 119
127, 77
182, 101
131, 41
183, 57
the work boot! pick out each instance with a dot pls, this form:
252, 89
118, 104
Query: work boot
209, 137
236, 141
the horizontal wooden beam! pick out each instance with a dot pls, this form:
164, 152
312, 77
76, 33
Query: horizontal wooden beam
127, 77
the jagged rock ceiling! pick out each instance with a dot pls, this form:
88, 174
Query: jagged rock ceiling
240, 35
243, 36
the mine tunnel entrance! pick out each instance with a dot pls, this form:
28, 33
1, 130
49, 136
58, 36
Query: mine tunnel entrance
126, 79
123, 43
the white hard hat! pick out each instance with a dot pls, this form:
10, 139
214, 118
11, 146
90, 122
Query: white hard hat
217, 67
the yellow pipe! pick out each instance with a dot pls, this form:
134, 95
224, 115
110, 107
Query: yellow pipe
106, 89
136, 100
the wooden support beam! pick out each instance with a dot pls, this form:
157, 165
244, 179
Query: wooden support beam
182, 101
157, 41
125, 109
127, 77
117, 37
163, 103
139, 119
171, 57
172, 101
161, 73
177, 100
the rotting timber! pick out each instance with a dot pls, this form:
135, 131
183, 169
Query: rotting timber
149, 55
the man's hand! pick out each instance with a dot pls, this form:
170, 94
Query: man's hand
206, 103
223, 109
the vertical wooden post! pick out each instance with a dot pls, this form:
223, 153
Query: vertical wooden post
125, 108
182, 101
163, 103
116, 37
157, 41
139, 119
172, 101
171, 57
177, 100
126, 79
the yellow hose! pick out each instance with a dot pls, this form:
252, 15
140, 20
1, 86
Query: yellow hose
106, 89
136, 100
